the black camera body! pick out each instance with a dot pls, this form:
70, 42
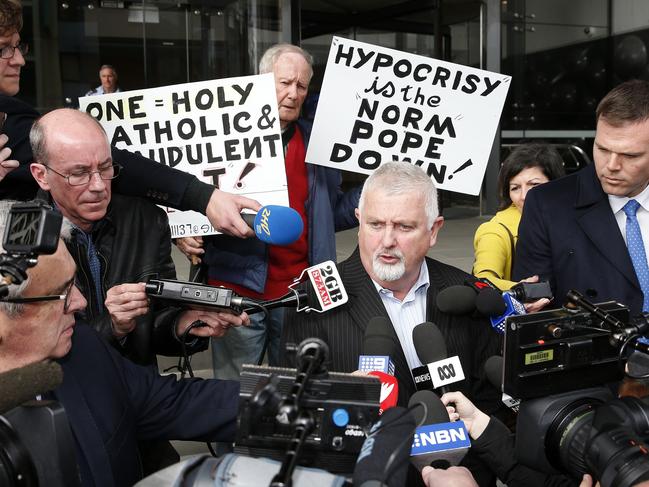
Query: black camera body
553, 361
560, 350
586, 431
342, 406
37, 447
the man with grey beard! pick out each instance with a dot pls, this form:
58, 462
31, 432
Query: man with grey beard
389, 275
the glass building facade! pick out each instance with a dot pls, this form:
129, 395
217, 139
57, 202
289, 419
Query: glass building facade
563, 56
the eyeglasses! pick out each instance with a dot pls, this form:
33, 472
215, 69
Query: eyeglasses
83, 177
8, 52
53, 297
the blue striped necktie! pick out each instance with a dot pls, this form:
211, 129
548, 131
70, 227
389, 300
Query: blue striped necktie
637, 250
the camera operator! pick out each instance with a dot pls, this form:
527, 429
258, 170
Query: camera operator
494, 444
109, 401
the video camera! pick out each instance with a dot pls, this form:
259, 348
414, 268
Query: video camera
578, 428
328, 410
33, 229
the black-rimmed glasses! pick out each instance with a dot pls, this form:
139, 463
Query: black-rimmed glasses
8, 52
83, 177
53, 297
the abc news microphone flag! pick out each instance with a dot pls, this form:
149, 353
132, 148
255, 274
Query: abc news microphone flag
225, 132
379, 104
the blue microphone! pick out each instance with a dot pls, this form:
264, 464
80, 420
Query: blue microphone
498, 307
276, 225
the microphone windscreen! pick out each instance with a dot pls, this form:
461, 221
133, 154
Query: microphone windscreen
490, 302
25, 383
493, 368
379, 338
434, 412
429, 343
456, 300
392, 433
278, 225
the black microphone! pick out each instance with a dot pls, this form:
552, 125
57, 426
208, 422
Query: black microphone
375, 466
25, 383
379, 346
493, 368
456, 300
498, 307
438, 370
437, 442
460, 299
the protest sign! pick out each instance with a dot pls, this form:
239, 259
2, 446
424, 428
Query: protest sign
226, 132
379, 104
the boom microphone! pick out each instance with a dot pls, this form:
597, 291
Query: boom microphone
392, 434
276, 225
437, 442
25, 383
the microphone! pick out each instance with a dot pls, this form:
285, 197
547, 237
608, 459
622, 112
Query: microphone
389, 390
378, 346
276, 225
375, 466
438, 442
324, 291
456, 300
25, 383
493, 368
438, 370
498, 307
460, 300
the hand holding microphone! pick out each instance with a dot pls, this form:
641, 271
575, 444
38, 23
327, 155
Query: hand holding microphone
464, 410
272, 224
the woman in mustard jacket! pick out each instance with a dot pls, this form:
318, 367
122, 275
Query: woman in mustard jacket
495, 241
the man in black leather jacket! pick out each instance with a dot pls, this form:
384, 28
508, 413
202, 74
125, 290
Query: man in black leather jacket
118, 243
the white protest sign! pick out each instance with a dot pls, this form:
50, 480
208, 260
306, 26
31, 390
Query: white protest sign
226, 132
379, 104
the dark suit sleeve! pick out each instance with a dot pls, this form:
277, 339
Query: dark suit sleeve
188, 409
533, 250
495, 447
159, 183
343, 203
141, 176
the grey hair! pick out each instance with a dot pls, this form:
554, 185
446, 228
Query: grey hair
400, 178
272, 54
12, 310
37, 138
109, 66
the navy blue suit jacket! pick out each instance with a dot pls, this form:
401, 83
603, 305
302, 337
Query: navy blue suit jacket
569, 236
111, 403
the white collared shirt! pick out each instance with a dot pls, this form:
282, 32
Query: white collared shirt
407, 314
618, 202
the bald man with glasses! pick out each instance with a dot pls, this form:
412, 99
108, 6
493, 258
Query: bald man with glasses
118, 243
